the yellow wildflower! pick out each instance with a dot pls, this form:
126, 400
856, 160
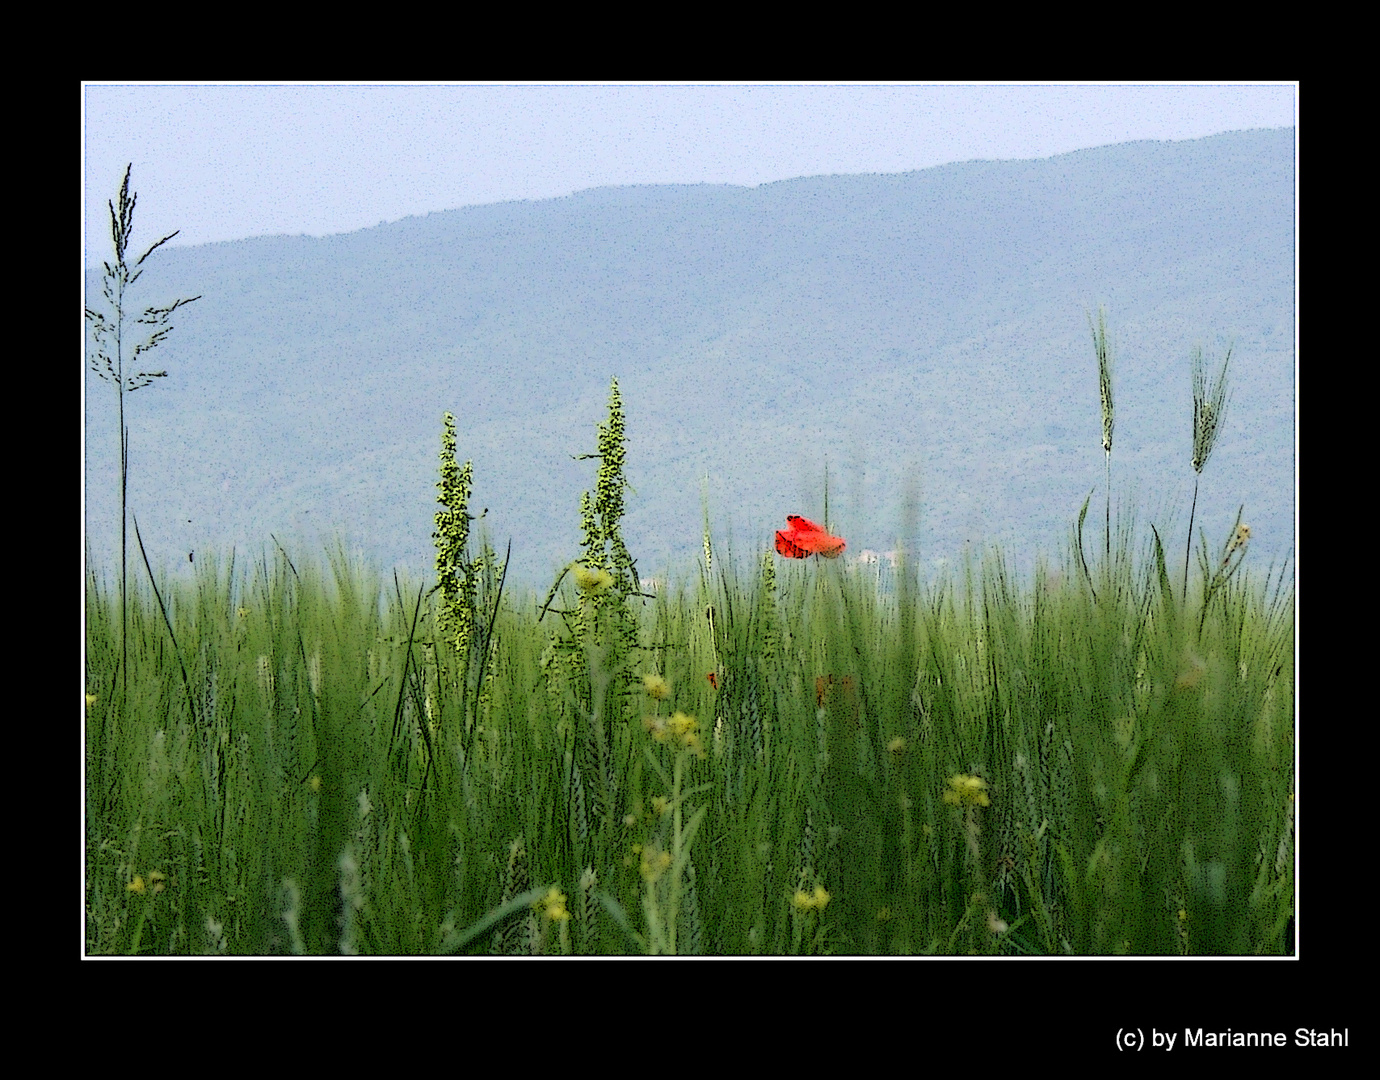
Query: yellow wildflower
656, 725
137, 885
156, 881
657, 687
682, 725
314, 783
590, 580
654, 863
687, 731
967, 791
553, 905
660, 804
897, 745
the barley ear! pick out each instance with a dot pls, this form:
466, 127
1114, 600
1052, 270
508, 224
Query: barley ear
1209, 410
1102, 346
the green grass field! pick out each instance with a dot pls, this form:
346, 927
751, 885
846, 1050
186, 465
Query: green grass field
301, 763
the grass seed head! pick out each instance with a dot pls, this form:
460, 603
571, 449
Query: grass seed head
1209, 408
1102, 345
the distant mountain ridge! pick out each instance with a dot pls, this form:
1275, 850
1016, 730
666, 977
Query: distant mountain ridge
924, 330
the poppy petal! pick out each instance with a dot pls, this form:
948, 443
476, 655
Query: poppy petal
788, 547
804, 538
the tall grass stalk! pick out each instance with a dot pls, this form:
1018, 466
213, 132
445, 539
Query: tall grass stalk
1209, 412
108, 328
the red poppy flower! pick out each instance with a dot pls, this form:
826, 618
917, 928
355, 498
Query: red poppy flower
713, 680
804, 538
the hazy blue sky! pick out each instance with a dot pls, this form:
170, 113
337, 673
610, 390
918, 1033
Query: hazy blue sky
223, 162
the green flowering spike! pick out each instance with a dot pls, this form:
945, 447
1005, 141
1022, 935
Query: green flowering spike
605, 573
612, 453
455, 575
594, 537
608, 492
